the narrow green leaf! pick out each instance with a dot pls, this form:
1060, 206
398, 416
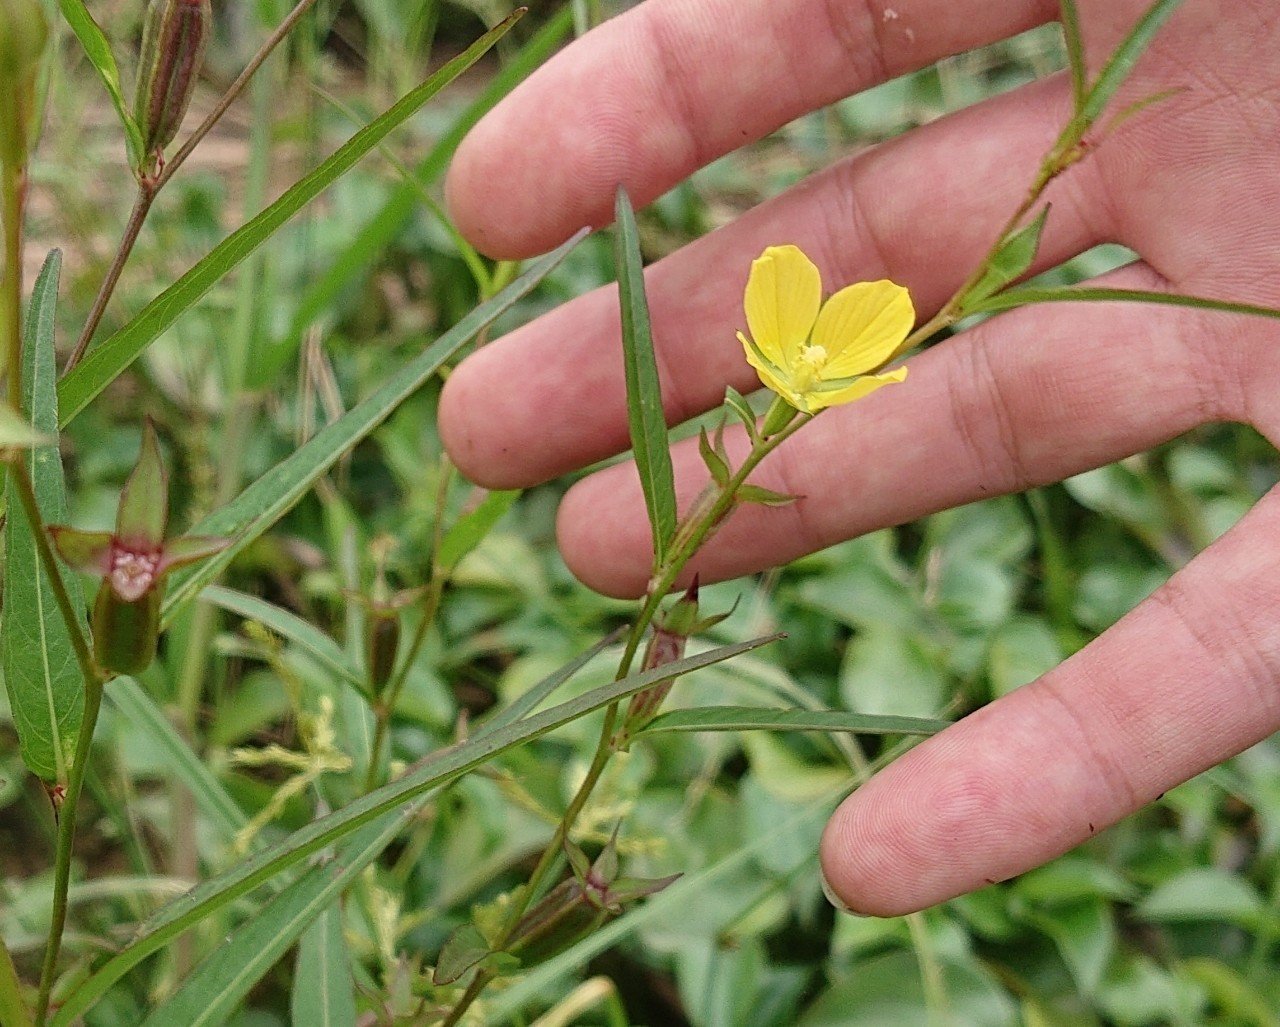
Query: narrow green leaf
214, 991
1010, 261
359, 256
763, 718
1069, 15
108, 360
99, 53
1026, 295
214, 802
323, 989
46, 690
1125, 56
644, 392
438, 770
470, 530
323, 649
264, 502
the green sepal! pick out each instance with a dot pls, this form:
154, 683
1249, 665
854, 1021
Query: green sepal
189, 549
738, 404
1010, 261
717, 465
765, 497
144, 504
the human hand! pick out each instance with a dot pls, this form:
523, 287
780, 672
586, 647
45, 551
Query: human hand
1184, 681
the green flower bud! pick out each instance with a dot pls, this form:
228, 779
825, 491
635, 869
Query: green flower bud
174, 38
24, 33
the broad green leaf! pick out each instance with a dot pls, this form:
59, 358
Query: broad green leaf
139, 709
470, 530
361, 253
323, 649
214, 991
264, 502
1207, 893
1026, 295
1069, 16
108, 360
440, 769
1010, 261
13, 1009
764, 718
323, 990
99, 53
46, 689
464, 949
1124, 57
644, 391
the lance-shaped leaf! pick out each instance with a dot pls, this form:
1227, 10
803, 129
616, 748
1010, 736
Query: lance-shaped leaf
1009, 263
46, 690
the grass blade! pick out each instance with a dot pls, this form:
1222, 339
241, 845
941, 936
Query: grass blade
644, 391
763, 718
46, 690
212, 993
214, 801
99, 53
1028, 295
271, 496
1069, 16
108, 360
360, 254
323, 649
323, 989
1125, 56
440, 769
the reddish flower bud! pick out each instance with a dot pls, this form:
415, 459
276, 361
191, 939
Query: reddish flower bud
174, 38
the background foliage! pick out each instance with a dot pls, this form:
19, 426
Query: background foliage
1171, 917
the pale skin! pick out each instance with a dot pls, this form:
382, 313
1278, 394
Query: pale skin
1188, 678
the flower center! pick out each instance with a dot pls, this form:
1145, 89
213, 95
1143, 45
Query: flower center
133, 574
812, 360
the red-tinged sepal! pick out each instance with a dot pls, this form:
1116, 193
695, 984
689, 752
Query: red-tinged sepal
189, 549
85, 551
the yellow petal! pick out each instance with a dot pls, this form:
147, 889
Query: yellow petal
864, 386
784, 292
772, 377
861, 326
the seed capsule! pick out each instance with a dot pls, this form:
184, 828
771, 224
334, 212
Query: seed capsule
173, 43
24, 33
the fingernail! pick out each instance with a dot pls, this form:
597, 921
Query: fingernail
833, 898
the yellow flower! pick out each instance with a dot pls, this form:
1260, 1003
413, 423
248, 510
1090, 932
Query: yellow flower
816, 355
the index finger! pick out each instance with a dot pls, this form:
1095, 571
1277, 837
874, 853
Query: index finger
654, 94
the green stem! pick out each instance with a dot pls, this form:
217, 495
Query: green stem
149, 188
66, 841
14, 189
707, 513
13, 1009
141, 208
